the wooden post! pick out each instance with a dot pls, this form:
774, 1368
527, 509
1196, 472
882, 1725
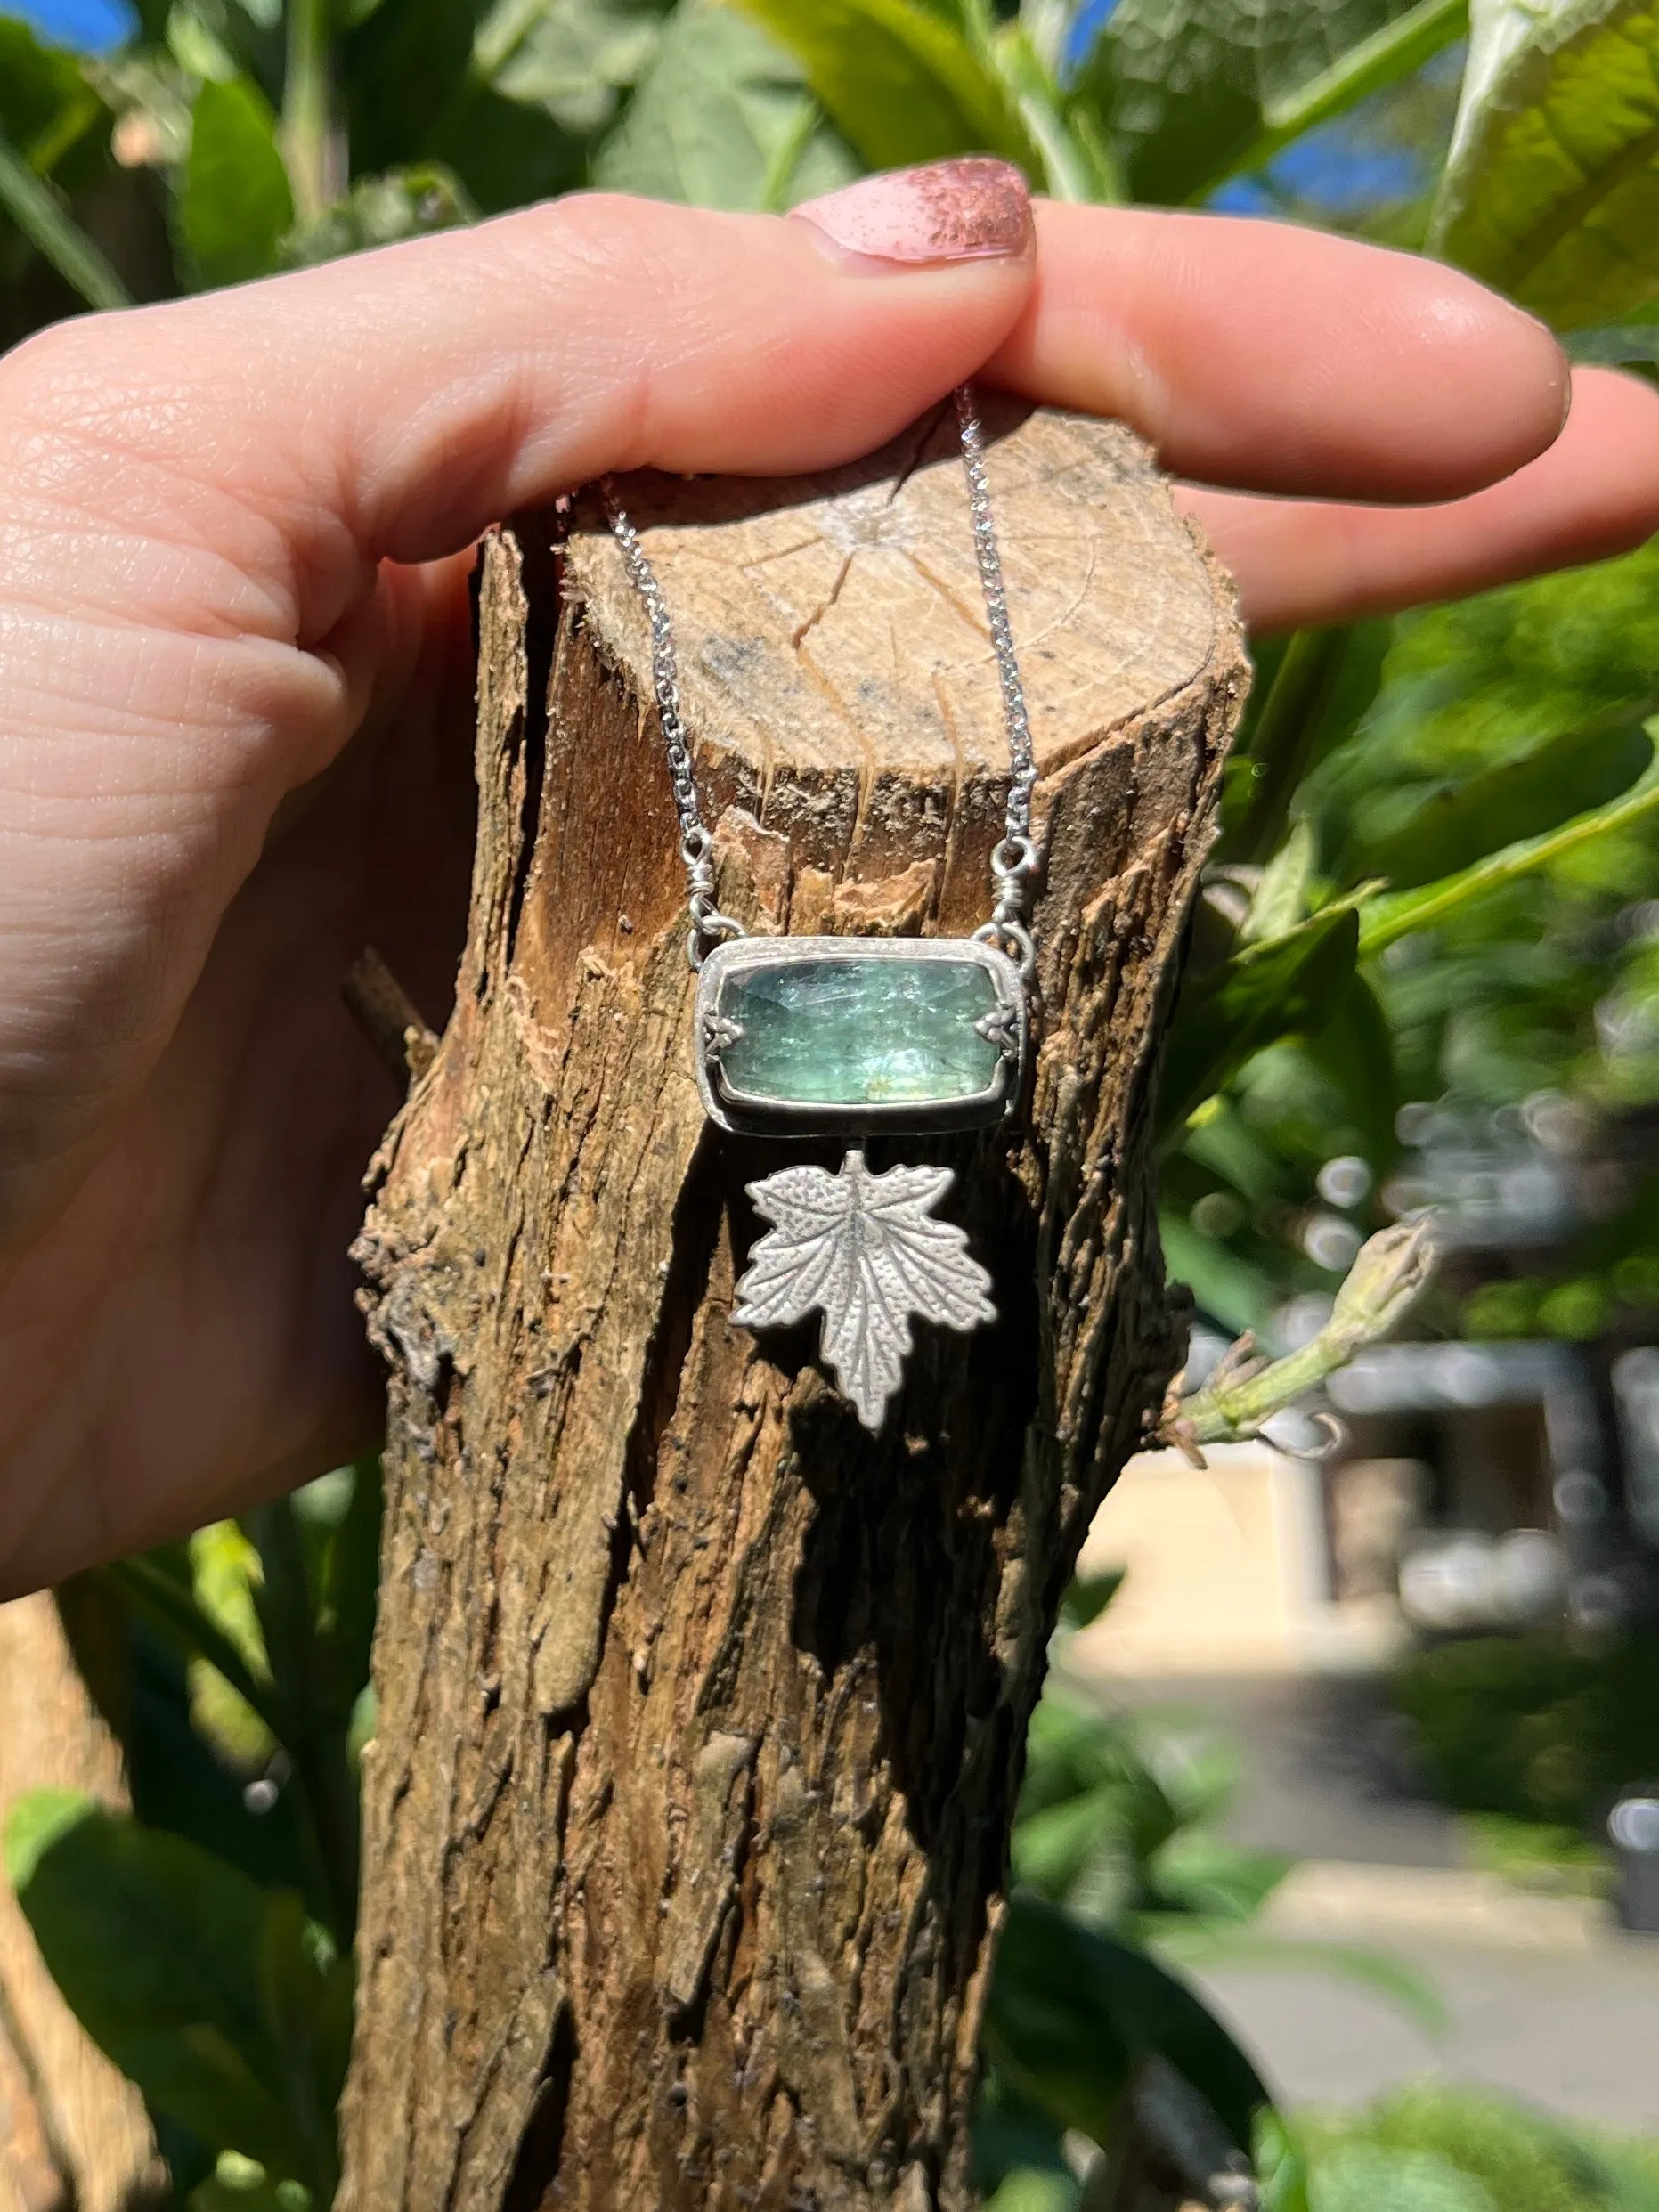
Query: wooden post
701, 1711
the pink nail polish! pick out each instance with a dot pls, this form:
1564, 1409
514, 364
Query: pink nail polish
973, 209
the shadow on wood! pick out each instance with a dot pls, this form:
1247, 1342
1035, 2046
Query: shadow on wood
701, 1711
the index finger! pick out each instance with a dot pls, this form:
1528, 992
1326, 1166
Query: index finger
1259, 355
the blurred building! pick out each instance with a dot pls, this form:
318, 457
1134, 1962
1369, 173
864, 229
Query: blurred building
1455, 1485
1522, 1476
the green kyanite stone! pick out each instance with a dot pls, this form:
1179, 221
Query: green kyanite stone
828, 1032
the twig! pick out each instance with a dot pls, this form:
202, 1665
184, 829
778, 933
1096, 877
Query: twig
389, 1017
1243, 1394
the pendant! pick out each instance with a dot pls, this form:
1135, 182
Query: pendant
807, 1035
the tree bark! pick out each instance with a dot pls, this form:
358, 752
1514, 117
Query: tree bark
701, 1711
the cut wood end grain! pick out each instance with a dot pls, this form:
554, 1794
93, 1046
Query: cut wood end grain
845, 609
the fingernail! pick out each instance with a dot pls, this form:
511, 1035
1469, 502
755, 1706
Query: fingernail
973, 209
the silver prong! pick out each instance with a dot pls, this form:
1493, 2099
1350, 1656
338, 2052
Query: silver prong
1001, 1028
720, 1034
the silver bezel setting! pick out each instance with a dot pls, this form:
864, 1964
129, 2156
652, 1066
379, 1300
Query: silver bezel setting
749, 1114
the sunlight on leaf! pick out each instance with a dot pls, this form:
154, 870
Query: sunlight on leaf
897, 81
1551, 192
235, 205
724, 118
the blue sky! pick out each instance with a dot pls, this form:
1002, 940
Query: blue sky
88, 24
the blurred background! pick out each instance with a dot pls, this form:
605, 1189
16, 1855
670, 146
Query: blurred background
1337, 1868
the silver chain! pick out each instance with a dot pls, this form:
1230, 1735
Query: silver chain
1013, 861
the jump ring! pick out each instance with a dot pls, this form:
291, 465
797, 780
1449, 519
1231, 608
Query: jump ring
719, 927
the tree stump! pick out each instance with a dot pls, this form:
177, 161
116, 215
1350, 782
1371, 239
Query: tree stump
701, 1710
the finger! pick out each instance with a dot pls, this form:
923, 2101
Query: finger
393, 405
1593, 494
1277, 359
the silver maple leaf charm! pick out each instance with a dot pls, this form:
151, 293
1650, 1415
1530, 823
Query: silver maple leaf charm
867, 1252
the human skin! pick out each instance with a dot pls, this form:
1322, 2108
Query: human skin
235, 686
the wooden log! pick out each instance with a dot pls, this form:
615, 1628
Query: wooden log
701, 1710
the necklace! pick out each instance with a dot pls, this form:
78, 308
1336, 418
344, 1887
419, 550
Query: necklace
852, 1037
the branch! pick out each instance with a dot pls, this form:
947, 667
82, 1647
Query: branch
1243, 1394
388, 1016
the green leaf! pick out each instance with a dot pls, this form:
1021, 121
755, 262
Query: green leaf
347, 1580
316, 1703
305, 1989
1519, 799
723, 118
1362, 2178
1354, 1052
1322, 682
1051, 1847
54, 137
1197, 1872
1036, 2188
1471, 686
406, 68
48, 110
1616, 343
898, 82
575, 58
1073, 2012
156, 1947
234, 204
1551, 189
181, 1785
1281, 896
38, 1820
1227, 1289
1397, 49
1286, 986
419, 81
1386, 920
1280, 2162
411, 202
1087, 1596
1011, 2135
1192, 89
225, 1568
171, 1612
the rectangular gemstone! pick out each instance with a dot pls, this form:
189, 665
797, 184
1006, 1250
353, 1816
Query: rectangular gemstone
836, 1029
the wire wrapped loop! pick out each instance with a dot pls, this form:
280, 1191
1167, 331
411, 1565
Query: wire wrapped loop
1013, 941
708, 925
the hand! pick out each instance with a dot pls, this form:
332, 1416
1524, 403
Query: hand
235, 681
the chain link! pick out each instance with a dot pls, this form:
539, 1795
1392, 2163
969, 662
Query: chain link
1013, 862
